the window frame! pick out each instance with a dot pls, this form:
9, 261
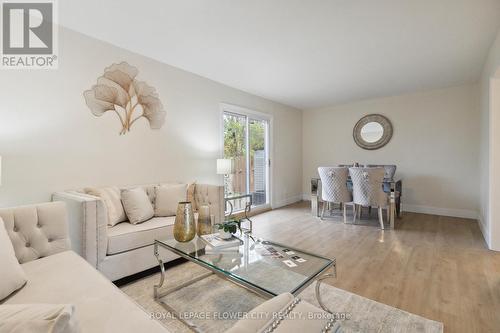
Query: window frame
257, 115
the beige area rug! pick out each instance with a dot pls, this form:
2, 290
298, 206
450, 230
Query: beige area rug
210, 303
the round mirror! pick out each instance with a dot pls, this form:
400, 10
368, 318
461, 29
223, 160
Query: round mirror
372, 132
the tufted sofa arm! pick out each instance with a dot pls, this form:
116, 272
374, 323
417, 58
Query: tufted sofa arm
87, 225
213, 196
37, 231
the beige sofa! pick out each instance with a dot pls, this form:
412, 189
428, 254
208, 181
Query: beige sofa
57, 275
125, 249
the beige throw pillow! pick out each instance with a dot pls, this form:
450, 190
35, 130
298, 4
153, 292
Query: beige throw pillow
12, 277
137, 205
112, 199
38, 318
168, 197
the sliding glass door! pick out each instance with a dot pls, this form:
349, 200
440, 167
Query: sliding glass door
246, 142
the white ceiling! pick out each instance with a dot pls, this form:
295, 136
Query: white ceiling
304, 53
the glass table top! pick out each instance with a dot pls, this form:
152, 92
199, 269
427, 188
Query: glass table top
267, 266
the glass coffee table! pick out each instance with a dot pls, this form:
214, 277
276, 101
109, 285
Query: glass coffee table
263, 267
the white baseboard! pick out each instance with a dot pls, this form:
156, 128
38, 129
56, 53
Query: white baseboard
287, 201
462, 213
485, 231
453, 212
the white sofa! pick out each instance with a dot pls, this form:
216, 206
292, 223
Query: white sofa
125, 249
57, 275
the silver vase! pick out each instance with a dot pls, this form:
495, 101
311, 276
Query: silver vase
184, 227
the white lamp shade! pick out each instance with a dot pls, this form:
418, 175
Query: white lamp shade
225, 166
0, 170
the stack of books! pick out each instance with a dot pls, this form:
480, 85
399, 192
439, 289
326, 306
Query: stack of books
215, 244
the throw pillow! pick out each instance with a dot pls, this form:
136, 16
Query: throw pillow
168, 197
38, 318
112, 200
137, 205
12, 277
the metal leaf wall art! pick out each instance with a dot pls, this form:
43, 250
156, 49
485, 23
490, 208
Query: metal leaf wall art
120, 92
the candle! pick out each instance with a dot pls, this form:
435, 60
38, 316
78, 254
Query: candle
204, 222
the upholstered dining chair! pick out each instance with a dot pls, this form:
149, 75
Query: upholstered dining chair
389, 169
334, 188
368, 190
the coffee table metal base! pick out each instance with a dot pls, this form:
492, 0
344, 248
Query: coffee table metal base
332, 275
158, 294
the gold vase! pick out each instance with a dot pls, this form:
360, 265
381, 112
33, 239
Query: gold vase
184, 227
204, 221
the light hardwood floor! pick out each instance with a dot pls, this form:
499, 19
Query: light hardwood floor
434, 266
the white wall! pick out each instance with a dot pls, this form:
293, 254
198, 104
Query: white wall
50, 141
435, 146
494, 160
489, 158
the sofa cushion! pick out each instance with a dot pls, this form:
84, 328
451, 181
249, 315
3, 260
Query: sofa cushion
38, 318
149, 189
167, 197
125, 236
112, 200
13, 276
137, 205
66, 278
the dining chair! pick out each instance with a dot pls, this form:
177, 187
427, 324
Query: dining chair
389, 172
368, 190
334, 188
389, 169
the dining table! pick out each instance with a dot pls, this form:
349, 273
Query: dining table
394, 187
